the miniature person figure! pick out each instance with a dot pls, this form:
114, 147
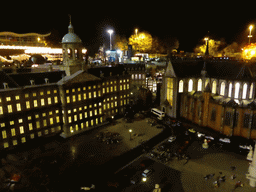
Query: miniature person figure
205, 144
250, 154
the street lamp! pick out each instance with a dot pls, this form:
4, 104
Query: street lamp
136, 32
250, 34
110, 31
130, 130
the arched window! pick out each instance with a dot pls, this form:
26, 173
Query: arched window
251, 91
222, 88
230, 90
199, 85
76, 53
190, 85
206, 82
244, 91
181, 86
237, 87
214, 85
69, 53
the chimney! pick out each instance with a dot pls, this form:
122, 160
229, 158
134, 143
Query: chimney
32, 82
5, 85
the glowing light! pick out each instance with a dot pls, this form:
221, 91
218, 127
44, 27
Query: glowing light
249, 51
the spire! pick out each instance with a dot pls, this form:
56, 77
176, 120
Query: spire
70, 27
207, 47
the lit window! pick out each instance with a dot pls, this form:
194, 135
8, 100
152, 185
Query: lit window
51, 121
111, 89
57, 119
84, 96
100, 111
37, 124
115, 88
75, 117
13, 131
94, 94
230, 90
14, 142
199, 85
214, 87
73, 90
90, 95
237, 87
170, 91
132, 76
21, 129
2, 124
99, 94
79, 97
101, 119
124, 86
121, 103
49, 92
34, 94
30, 126
115, 103
26, 95
39, 134
92, 122
85, 114
49, 100
244, 91
42, 102
6, 144
68, 100
80, 116
90, 113
8, 98
45, 122
18, 107
35, 103
27, 104
41, 93
222, 88
69, 119
17, 97
9, 107
87, 124
54, 91
23, 139
29, 117
4, 136
251, 91
74, 98
107, 89
190, 85
121, 87
95, 112
20, 121
36, 116
11, 122
103, 90
67, 91
1, 110
181, 86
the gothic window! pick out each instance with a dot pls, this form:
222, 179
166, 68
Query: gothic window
230, 90
237, 87
222, 89
246, 120
170, 90
199, 85
190, 85
213, 115
251, 91
181, 86
227, 119
214, 86
244, 91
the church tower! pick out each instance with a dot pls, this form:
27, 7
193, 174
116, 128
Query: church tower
72, 52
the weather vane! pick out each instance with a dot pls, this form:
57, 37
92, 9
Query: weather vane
69, 18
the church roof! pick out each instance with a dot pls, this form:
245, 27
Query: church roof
214, 69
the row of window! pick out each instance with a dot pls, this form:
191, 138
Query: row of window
32, 136
86, 124
229, 116
223, 85
138, 76
35, 103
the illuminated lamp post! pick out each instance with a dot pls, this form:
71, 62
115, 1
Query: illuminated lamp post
250, 34
130, 134
110, 31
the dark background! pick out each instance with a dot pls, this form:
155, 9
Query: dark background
188, 21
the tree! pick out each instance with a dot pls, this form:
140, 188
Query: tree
121, 43
141, 42
214, 48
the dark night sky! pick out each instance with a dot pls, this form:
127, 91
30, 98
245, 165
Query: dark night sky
187, 21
